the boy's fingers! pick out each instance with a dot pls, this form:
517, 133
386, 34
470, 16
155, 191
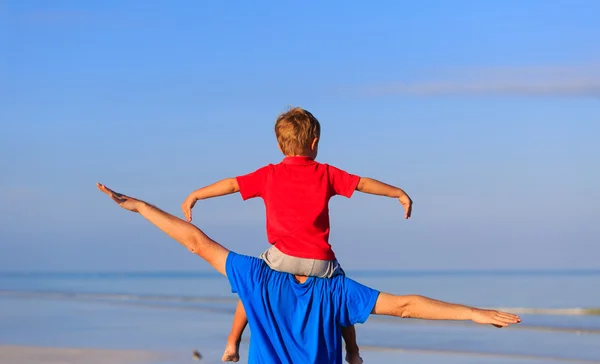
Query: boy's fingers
187, 213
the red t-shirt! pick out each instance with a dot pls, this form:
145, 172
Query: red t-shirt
296, 193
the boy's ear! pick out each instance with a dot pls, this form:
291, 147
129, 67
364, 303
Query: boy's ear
314, 144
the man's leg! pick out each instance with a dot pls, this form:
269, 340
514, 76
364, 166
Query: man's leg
352, 353
420, 307
232, 349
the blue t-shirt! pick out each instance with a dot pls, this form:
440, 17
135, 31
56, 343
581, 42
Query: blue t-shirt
292, 322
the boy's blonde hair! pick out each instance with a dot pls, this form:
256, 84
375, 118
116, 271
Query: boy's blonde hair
295, 130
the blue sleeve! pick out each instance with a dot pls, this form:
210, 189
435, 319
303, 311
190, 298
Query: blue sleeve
243, 272
357, 303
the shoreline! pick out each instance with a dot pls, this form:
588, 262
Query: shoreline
24, 354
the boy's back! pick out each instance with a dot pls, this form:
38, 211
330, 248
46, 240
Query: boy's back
296, 193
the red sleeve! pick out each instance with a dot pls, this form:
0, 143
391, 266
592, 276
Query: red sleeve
252, 184
341, 182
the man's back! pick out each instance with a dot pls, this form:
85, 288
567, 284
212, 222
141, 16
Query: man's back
296, 193
286, 316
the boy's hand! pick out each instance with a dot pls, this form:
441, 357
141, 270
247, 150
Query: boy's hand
375, 187
407, 204
187, 207
221, 188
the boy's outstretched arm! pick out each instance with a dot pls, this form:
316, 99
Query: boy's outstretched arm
375, 187
221, 188
185, 233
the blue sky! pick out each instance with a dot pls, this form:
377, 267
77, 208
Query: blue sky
486, 113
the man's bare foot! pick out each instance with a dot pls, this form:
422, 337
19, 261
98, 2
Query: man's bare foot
353, 358
232, 352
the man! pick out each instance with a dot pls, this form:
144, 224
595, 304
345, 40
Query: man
297, 319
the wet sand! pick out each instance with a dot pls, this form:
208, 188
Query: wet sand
12, 354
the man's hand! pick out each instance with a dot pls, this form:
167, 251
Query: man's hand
126, 202
187, 207
496, 318
407, 204
185, 233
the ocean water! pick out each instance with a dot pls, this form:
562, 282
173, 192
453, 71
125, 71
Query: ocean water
175, 313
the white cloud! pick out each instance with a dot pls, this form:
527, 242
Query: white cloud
579, 81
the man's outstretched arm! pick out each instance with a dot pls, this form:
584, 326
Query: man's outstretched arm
420, 307
185, 233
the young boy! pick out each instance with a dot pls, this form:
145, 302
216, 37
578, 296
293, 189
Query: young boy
296, 194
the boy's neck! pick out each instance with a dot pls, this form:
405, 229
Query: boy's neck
298, 159
307, 153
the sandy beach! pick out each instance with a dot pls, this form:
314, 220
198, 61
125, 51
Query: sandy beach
12, 354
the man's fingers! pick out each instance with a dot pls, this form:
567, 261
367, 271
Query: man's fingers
101, 187
509, 317
505, 319
506, 315
117, 197
497, 321
105, 189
